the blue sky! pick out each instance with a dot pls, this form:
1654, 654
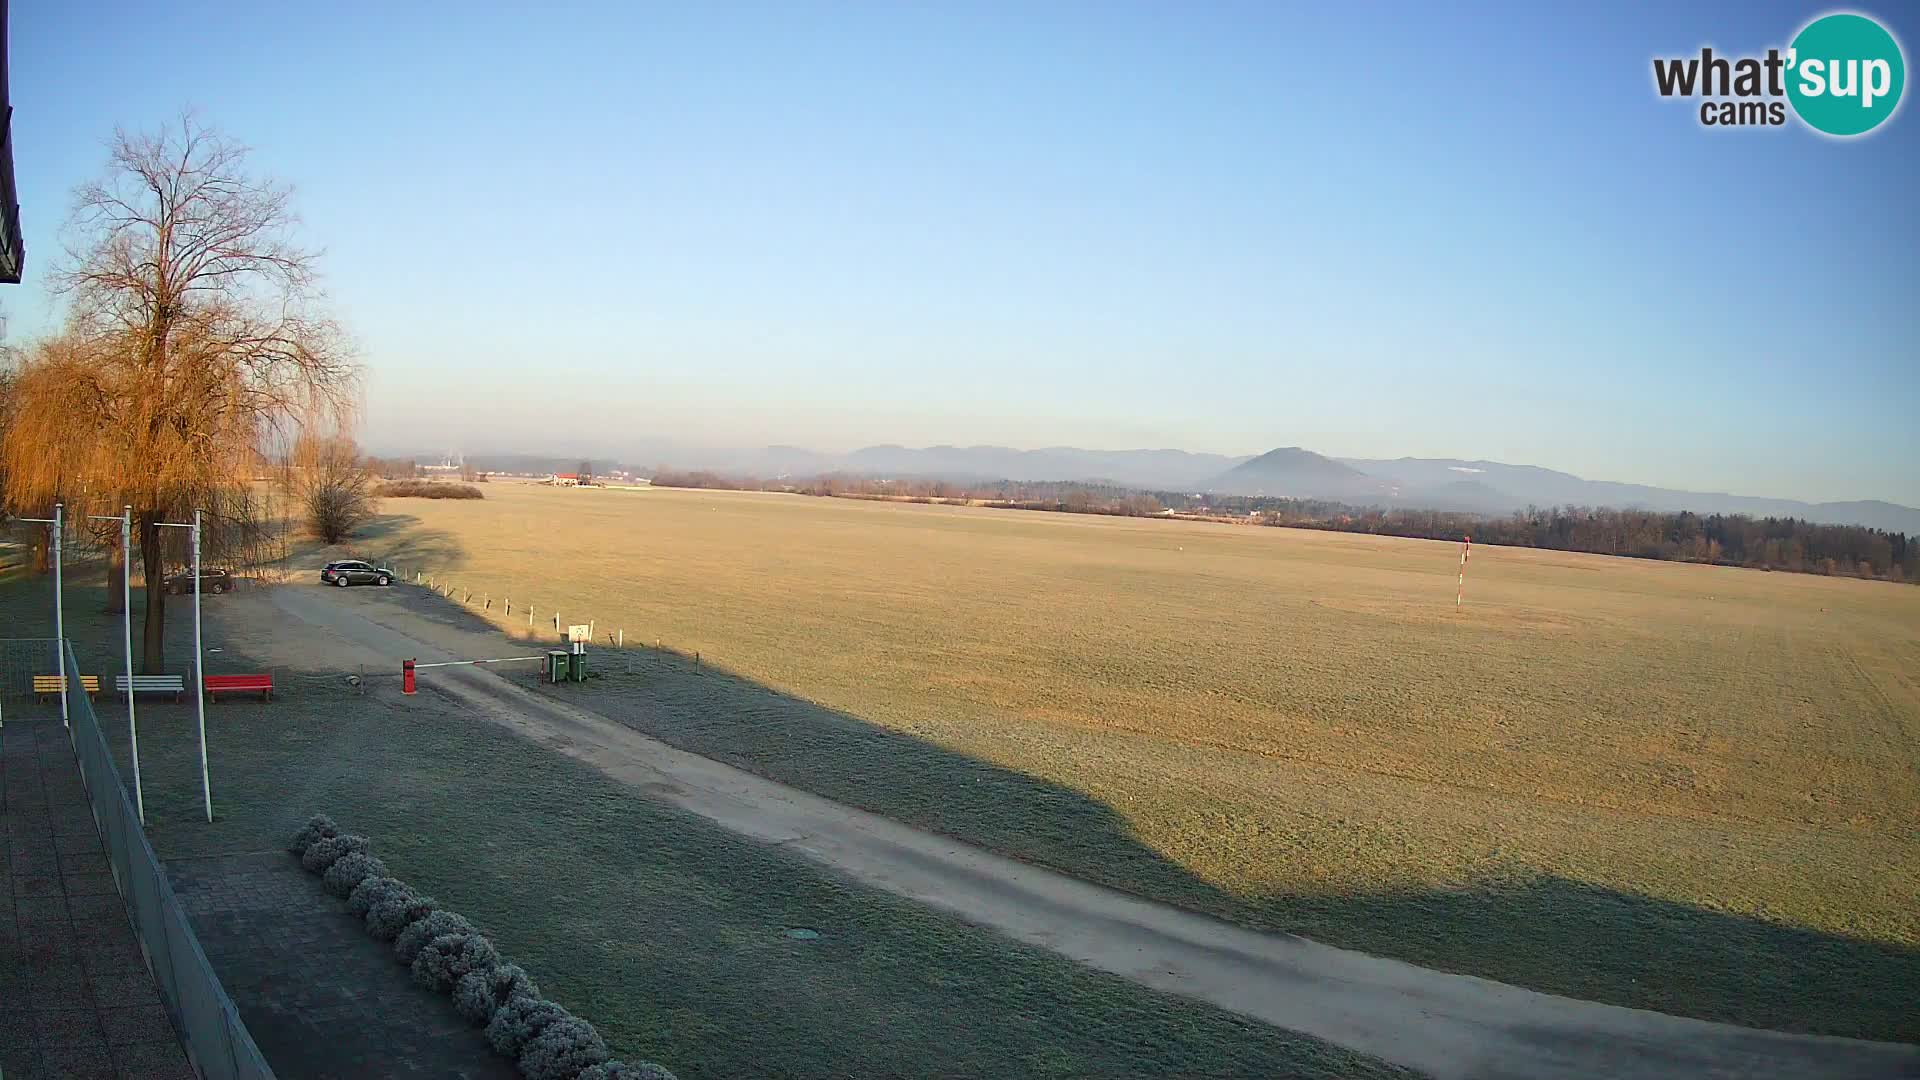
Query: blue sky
1371, 230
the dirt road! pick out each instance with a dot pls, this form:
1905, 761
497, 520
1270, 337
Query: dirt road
1450, 1026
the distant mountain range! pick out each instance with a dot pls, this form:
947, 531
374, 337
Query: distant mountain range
1490, 487
1494, 487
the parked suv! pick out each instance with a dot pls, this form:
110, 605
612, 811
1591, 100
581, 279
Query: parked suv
211, 580
354, 572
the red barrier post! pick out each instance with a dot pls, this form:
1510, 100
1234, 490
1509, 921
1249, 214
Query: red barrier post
406, 676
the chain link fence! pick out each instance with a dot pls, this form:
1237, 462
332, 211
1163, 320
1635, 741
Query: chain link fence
215, 1038
20, 660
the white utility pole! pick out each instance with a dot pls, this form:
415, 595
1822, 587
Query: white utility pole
59, 609
199, 663
126, 640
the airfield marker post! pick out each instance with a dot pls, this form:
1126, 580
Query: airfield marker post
1461, 594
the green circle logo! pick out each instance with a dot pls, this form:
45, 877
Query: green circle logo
1845, 74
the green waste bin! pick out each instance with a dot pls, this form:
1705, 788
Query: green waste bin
556, 665
577, 666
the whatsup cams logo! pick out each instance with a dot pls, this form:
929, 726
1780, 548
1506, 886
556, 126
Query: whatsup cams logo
1842, 76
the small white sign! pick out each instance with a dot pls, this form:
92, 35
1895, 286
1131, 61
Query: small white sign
580, 632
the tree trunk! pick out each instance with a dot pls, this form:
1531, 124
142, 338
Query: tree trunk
116, 578
153, 660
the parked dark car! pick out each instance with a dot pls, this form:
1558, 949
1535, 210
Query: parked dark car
211, 580
354, 572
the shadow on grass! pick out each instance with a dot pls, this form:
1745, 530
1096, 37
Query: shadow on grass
1539, 931
1542, 932
394, 540
670, 933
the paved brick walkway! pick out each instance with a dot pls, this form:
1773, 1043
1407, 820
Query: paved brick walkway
76, 1000
322, 998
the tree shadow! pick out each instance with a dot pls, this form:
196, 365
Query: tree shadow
1535, 930
1538, 931
395, 540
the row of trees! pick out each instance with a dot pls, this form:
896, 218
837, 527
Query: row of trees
194, 350
1063, 497
398, 468
1726, 539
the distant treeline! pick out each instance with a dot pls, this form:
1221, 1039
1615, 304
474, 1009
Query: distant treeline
1722, 539
1070, 498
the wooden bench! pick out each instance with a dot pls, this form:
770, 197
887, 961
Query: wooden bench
46, 686
152, 684
215, 685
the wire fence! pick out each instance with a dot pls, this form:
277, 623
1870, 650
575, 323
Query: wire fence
524, 619
215, 1038
20, 660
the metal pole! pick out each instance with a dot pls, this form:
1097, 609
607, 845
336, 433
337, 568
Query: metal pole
60, 655
126, 639
126, 635
59, 610
200, 673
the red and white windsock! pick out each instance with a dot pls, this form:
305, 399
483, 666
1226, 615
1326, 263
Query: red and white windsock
1466, 549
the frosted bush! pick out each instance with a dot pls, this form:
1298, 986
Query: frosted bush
370, 890
518, 1020
480, 992
350, 870
620, 1070
450, 957
396, 911
419, 934
318, 827
562, 1049
325, 853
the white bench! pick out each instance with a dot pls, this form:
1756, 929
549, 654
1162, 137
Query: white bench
153, 684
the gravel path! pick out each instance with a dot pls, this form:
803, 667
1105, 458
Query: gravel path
1450, 1026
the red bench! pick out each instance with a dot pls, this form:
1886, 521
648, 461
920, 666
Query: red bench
215, 685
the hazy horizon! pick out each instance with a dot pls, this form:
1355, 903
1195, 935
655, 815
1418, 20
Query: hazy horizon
694, 455
1113, 226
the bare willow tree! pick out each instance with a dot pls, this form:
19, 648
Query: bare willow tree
192, 342
332, 483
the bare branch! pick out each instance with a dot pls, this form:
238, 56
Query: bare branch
193, 339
